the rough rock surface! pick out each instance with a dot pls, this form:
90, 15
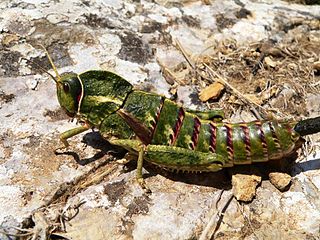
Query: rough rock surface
84, 192
244, 186
280, 180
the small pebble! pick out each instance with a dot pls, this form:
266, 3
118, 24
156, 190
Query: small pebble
280, 180
244, 186
32, 84
213, 91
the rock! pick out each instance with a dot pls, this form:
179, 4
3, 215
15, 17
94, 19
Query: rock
32, 83
213, 91
244, 186
280, 180
312, 105
132, 38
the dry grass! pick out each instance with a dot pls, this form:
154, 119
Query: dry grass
278, 76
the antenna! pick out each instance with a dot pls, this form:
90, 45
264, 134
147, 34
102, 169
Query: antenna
40, 67
52, 64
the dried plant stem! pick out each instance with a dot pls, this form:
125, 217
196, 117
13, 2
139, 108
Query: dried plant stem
216, 219
15, 234
247, 218
185, 54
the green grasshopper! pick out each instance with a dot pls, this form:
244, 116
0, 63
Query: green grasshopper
166, 134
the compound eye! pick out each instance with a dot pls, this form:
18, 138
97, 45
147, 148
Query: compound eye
66, 87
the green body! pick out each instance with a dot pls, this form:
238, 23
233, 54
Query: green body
164, 132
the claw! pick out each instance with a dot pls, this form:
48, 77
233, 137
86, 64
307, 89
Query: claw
143, 185
61, 150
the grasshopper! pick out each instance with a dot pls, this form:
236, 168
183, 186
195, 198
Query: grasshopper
165, 133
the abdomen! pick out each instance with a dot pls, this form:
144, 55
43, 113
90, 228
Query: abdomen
240, 143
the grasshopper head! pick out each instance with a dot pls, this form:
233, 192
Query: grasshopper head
69, 88
69, 92
105, 93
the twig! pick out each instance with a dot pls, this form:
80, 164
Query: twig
219, 198
221, 215
207, 232
191, 63
184, 53
16, 234
257, 66
96, 178
247, 219
67, 215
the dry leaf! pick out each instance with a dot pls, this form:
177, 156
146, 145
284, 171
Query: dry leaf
269, 93
168, 75
275, 52
175, 76
213, 91
234, 100
293, 66
206, 2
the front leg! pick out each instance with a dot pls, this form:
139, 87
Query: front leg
70, 133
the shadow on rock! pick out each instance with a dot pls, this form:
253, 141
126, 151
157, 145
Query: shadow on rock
220, 179
96, 141
305, 166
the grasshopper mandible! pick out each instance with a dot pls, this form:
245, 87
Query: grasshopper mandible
166, 134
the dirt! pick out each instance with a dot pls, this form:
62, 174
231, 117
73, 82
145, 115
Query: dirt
243, 13
191, 21
56, 115
139, 206
115, 191
307, 2
133, 48
224, 22
6, 98
93, 20
44, 164
9, 65
151, 27
5, 144
265, 71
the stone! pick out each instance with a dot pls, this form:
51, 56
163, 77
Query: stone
244, 186
212, 91
280, 180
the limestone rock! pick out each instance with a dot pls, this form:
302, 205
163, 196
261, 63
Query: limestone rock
244, 186
280, 180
